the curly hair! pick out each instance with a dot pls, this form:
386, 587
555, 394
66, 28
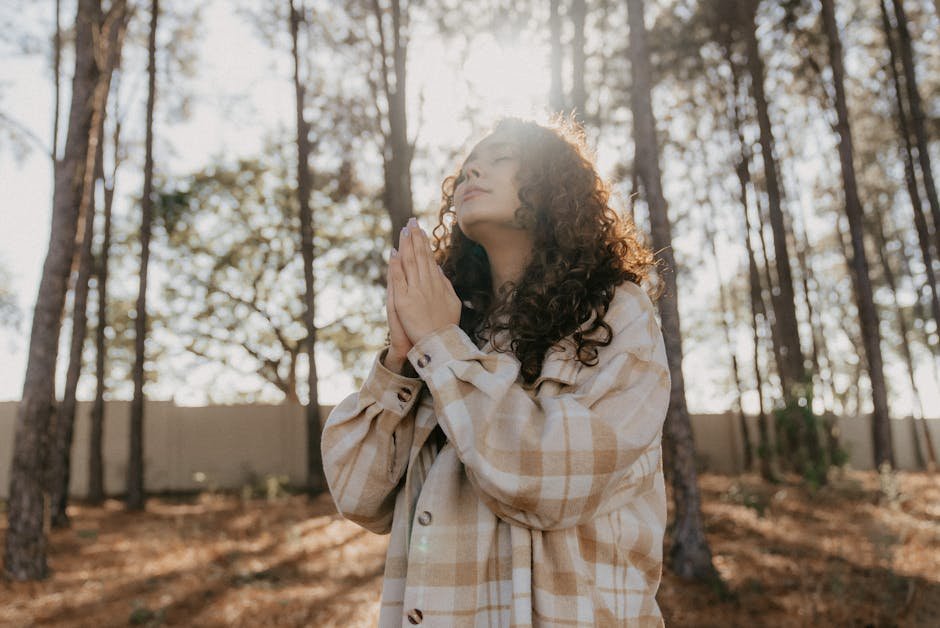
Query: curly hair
582, 249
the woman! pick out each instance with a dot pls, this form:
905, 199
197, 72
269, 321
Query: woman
509, 435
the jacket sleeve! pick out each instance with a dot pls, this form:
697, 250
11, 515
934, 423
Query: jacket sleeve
553, 460
365, 445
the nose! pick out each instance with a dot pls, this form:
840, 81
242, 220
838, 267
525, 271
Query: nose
473, 170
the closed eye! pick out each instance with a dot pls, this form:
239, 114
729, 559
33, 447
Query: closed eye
463, 173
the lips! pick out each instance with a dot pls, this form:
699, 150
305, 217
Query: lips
471, 193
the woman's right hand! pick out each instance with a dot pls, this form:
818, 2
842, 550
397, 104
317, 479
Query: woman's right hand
399, 343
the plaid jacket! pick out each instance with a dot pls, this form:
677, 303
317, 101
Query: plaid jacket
545, 506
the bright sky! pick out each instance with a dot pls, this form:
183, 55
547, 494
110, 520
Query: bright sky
238, 63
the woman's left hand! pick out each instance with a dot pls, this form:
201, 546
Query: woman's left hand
424, 297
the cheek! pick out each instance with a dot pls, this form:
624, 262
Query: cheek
509, 191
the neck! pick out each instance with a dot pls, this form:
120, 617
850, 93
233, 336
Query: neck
508, 258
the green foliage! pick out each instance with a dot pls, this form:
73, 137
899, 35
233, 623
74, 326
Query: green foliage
800, 434
839, 457
238, 297
764, 451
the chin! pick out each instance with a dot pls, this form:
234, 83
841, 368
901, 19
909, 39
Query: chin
468, 217
471, 226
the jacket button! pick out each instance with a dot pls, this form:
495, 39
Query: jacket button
424, 518
424, 360
404, 394
415, 616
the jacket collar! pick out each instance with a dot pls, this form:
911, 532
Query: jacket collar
559, 365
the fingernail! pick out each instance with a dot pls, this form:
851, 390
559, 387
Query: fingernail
404, 230
412, 222
394, 252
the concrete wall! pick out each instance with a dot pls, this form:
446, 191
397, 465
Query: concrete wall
232, 444
228, 444
719, 443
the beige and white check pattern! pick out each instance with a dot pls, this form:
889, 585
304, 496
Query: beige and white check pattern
547, 504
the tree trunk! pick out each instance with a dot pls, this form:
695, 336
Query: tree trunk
112, 36
725, 307
765, 308
796, 417
786, 449
758, 311
690, 554
917, 308
578, 11
868, 317
791, 368
802, 248
136, 498
765, 448
316, 480
929, 461
25, 548
845, 320
748, 462
910, 177
96, 493
820, 350
815, 463
56, 73
398, 150
917, 117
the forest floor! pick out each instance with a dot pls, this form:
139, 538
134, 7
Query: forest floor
854, 553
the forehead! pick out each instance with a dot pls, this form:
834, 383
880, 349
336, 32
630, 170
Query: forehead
489, 146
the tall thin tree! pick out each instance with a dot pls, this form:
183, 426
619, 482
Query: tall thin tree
918, 117
96, 489
910, 176
784, 305
690, 554
929, 460
316, 480
25, 548
113, 27
56, 74
135, 498
398, 150
795, 418
764, 448
861, 281
725, 37
726, 311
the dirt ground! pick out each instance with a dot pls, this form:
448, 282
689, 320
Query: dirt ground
856, 553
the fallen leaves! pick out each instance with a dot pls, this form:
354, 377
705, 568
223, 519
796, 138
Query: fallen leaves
840, 555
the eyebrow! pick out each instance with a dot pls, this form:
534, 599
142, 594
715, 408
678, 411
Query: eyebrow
490, 146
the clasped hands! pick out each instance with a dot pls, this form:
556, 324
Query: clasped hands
421, 298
